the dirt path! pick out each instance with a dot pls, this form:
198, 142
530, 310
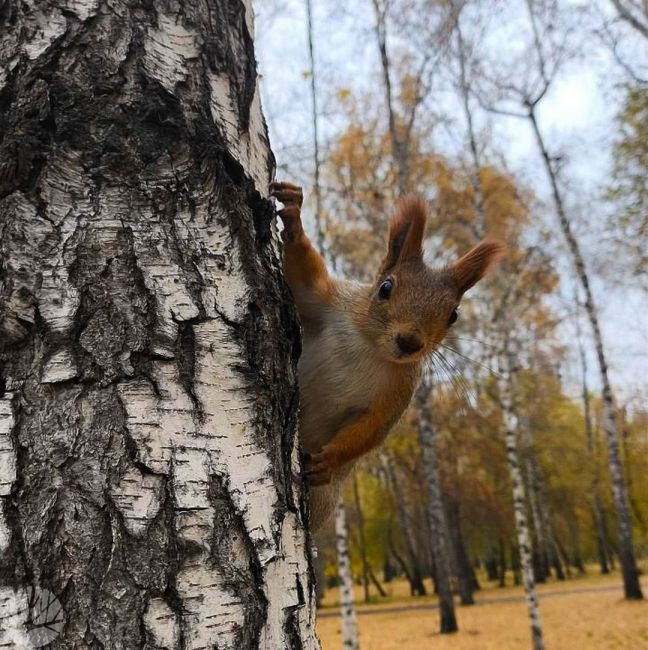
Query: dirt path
478, 601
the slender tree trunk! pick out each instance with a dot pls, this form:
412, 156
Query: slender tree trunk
541, 548
631, 584
612, 549
556, 552
511, 425
502, 564
379, 588
400, 157
361, 536
427, 440
415, 572
601, 535
147, 343
635, 509
466, 578
400, 560
491, 564
577, 558
475, 173
552, 547
388, 570
319, 231
599, 520
515, 565
349, 622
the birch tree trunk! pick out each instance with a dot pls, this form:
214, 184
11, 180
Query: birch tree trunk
631, 585
436, 516
317, 189
362, 543
597, 508
541, 548
475, 169
400, 146
415, 572
511, 426
349, 623
534, 489
466, 579
147, 343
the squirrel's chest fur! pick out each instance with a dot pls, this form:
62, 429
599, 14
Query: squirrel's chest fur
341, 375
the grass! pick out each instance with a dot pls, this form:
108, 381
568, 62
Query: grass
599, 620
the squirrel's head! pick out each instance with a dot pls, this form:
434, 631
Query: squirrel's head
411, 306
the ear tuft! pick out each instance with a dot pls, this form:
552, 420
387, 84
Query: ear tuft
476, 263
406, 230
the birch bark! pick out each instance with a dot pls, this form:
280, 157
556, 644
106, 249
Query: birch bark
415, 570
511, 426
362, 545
597, 507
439, 530
147, 343
350, 639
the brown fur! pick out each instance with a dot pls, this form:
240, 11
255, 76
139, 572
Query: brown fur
476, 263
406, 231
355, 378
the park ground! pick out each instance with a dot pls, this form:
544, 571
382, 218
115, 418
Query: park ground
584, 613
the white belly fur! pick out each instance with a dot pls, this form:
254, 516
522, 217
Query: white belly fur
339, 374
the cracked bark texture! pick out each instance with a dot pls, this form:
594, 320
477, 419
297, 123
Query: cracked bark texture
147, 340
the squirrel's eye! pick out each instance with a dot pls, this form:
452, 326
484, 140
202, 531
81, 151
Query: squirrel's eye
385, 289
453, 317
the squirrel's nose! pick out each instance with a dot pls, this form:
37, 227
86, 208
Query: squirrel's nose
408, 344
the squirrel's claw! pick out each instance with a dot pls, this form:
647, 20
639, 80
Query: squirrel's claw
287, 193
292, 198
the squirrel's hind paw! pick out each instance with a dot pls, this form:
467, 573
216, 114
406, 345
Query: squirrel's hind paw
320, 467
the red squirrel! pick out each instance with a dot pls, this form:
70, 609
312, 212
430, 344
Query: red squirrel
364, 345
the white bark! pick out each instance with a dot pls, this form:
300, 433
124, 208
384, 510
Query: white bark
414, 572
350, 637
597, 508
147, 379
511, 426
436, 515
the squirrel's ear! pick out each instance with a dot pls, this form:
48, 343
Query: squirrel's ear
406, 230
476, 263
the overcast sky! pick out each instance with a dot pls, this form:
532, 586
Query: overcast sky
577, 117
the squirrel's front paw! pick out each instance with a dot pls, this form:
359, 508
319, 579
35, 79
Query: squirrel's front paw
292, 197
320, 466
287, 193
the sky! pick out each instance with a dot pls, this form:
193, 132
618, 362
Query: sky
577, 117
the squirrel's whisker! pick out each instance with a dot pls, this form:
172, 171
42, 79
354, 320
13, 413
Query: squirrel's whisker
460, 385
449, 374
463, 338
477, 363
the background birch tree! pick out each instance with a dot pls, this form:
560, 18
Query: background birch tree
350, 638
147, 342
548, 50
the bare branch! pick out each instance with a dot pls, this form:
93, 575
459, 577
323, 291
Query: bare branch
626, 14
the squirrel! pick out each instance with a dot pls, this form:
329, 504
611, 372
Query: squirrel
364, 346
